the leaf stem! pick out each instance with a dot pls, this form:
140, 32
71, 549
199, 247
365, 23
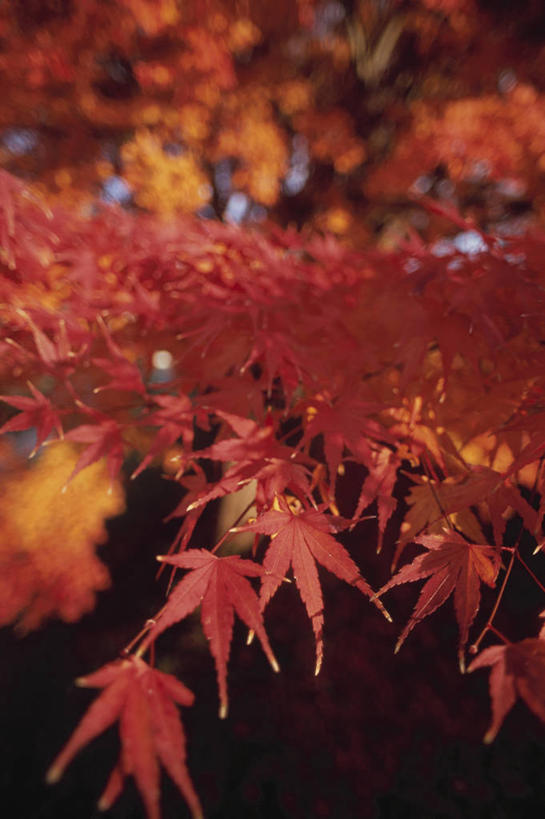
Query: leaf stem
143, 631
530, 572
514, 554
150, 623
499, 634
488, 626
224, 537
297, 430
436, 499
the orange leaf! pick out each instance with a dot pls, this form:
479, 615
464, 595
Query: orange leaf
48, 537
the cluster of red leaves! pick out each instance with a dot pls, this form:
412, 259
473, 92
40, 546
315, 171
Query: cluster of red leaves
294, 356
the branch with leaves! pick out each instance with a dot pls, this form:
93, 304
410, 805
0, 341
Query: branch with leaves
288, 361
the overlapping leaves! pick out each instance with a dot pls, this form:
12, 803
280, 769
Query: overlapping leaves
290, 358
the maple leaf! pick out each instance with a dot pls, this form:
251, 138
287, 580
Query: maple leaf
219, 586
345, 424
150, 730
379, 485
105, 441
242, 396
280, 358
517, 669
124, 373
484, 485
194, 484
258, 456
175, 418
254, 442
452, 564
301, 541
57, 356
431, 501
35, 412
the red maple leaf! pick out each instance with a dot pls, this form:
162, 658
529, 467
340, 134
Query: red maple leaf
379, 485
345, 424
485, 485
258, 456
175, 419
451, 564
142, 699
56, 356
105, 441
125, 374
280, 356
301, 541
35, 412
194, 485
517, 669
242, 396
432, 500
219, 586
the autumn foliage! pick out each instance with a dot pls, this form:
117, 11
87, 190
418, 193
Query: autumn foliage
400, 346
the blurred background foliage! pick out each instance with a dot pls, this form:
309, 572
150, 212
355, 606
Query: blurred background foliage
318, 113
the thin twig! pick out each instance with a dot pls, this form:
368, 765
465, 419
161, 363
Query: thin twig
222, 540
426, 467
530, 572
488, 626
499, 634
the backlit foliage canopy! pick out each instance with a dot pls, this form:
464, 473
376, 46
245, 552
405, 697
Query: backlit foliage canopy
325, 113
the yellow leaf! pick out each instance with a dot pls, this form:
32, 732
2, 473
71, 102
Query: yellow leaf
48, 538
